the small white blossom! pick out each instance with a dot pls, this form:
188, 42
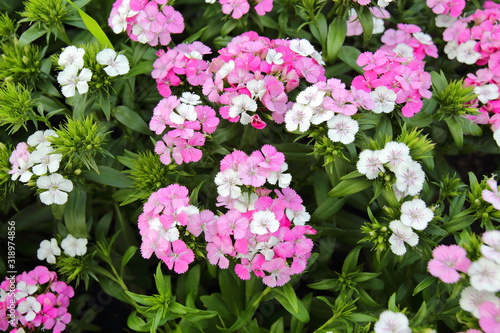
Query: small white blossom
24, 289
403, 50
491, 247
115, 64
56, 186
48, 250
302, 47
466, 53
43, 160
228, 183
471, 299
183, 112
245, 202
263, 222
71, 56
71, 81
240, 105
299, 117
283, 179
274, 57
22, 171
395, 153
384, 99
311, 96
257, 88
485, 275
370, 164
298, 217
444, 21
342, 128
451, 49
74, 246
401, 234
226, 68
423, 38
486, 92
415, 214
190, 98
40, 137
30, 306
392, 322
410, 177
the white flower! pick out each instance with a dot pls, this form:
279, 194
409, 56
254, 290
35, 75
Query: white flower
245, 202
228, 183
283, 179
274, 57
466, 53
486, 92
48, 250
485, 275
383, 4
415, 214
240, 104
43, 160
384, 99
342, 128
183, 112
74, 246
392, 322
302, 47
226, 68
71, 56
24, 289
451, 49
321, 114
311, 96
263, 222
298, 117
496, 136
70, 80
444, 21
190, 98
401, 234
40, 137
56, 186
22, 171
257, 88
318, 56
298, 217
471, 299
370, 164
409, 177
194, 55
394, 154
30, 306
423, 38
116, 64
491, 247
403, 50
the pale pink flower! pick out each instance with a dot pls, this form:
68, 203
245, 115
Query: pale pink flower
493, 196
489, 317
447, 261
392, 322
491, 247
471, 299
484, 274
279, 272
401, 234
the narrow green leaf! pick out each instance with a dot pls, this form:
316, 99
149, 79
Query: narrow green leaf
74, 213
136, 323
365, 17
326, 284
439, 81
132, 120
337, 31
30, 35
328, 208
102, 227
350, 186
195, 36
424, 284
351, 261
278, 326
93, 27
455, 127
287, 297
109, 176
128, 255
348, 55
143, 67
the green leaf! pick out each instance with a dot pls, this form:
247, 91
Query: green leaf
109, 176
195, 36
337, 31
348, 55
105, 104
278, 326
162, 282
287, 297
193, 197
128, 255
326, 284
102, 227
350, 186
30, 35
424, 284
365, 17
74, 213
456, 130
132, 120
143, 67
141, 299
228, 27
439, 81
137, 324
328, 208
351, 261
93, 27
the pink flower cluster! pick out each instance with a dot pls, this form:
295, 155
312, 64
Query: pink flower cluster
394, 76
146, 21
475, 39
484, 276
452, 8
184, 59
238, 8
251, 73
188, 124
263, 230
409, 37
33, 300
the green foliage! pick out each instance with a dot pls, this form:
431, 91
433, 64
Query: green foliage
16, 106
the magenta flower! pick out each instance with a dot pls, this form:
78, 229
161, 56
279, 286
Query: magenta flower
447, 261
179, 257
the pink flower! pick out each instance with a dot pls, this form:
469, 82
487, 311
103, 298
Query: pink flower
492, 196
217, 249
237, 7
279, 272
447, 261
179, 257
490, 314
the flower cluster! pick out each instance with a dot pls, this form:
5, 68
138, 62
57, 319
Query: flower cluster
263, 230
74, 77
35, 299
328, 101
238, 8
72, 246
188, 122
484, 276
409, 37
183, 59
36, 157
452, 8
150, 22
394, 76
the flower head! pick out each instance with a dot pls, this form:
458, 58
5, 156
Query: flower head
74, 246
48, 250
116, 64
447, 261
392, 322
56, 186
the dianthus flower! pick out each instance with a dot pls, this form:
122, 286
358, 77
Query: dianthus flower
447, 261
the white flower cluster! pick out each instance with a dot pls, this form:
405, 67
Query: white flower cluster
396, 157
414, 215
72, 246
75, 77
